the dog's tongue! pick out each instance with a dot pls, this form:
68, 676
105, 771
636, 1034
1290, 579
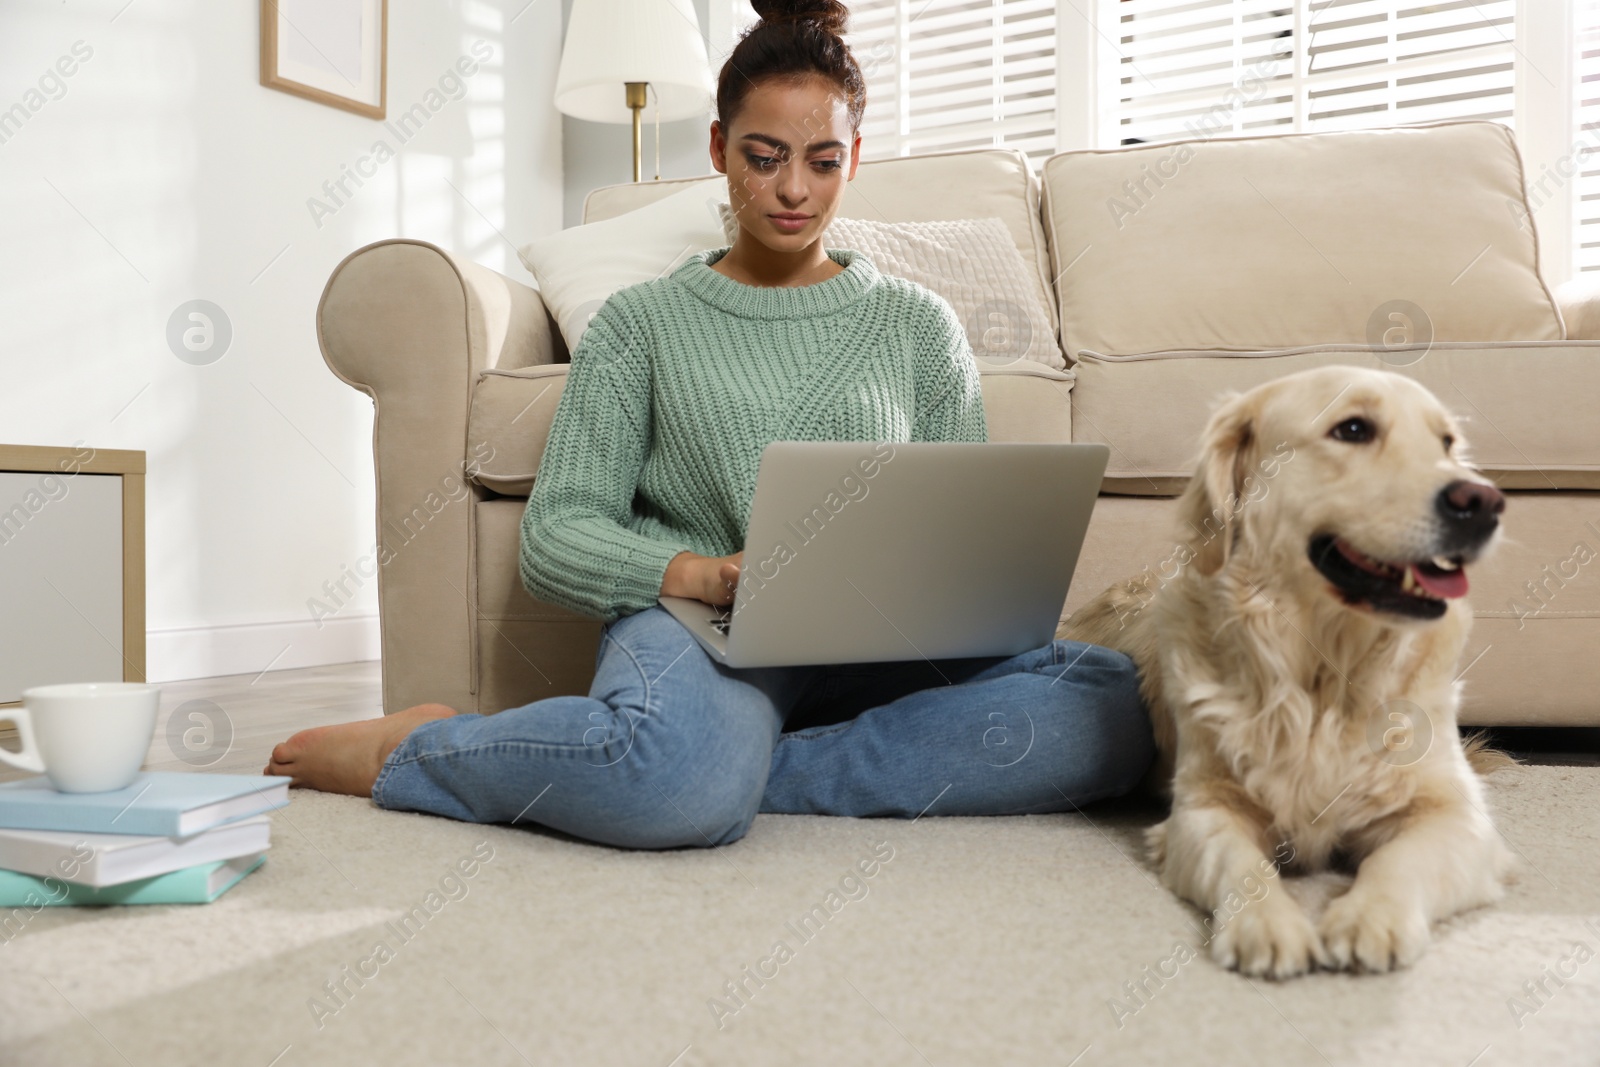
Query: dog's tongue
1441, 583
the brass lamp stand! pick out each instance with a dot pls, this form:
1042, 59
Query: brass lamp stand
636, 97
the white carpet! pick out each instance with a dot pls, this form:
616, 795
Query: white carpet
981, 941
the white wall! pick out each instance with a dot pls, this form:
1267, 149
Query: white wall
159, 172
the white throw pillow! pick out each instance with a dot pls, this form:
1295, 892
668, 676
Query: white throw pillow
973, 263
578, 268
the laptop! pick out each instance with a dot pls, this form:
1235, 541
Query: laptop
859, 551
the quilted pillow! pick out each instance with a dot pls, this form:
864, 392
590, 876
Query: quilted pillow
973, 263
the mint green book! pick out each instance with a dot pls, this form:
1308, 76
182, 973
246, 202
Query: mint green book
193, 885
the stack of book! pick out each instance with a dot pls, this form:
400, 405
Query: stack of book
169, 838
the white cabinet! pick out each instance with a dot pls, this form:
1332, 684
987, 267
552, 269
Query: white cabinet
71, 567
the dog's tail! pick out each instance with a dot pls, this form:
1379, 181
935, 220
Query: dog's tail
1483, 759
1104, 620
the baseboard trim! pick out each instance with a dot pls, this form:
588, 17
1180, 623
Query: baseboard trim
250, 648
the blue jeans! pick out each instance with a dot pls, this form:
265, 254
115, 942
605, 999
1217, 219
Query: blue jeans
671, 748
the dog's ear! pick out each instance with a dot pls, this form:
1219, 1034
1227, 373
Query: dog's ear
1210, 505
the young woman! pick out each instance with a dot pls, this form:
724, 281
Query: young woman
643, 490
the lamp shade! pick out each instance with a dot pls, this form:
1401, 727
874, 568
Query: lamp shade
610, 42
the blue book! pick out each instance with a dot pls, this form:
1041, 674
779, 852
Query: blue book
168, 803
192, 885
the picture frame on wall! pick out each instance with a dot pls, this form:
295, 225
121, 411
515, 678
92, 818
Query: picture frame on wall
335, 52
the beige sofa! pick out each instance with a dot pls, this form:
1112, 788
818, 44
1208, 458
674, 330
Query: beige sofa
1176, 275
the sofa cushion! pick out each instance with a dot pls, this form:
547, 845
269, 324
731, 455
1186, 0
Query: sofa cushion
1246, 243
1579, 299
974, 183
512, 411
1527, 409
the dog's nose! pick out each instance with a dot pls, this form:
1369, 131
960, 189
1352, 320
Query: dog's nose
1471, 509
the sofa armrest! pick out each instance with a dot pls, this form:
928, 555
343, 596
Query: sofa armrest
1579, 301
393, 308
413, 326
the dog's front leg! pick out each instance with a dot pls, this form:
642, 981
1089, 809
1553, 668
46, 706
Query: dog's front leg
1211, 853
1445, 857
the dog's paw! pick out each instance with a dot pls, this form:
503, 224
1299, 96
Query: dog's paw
1271, 937
1155, 844
1373, 932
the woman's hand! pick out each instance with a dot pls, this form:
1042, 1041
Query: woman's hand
711, 579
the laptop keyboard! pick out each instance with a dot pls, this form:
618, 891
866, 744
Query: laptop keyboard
722, 622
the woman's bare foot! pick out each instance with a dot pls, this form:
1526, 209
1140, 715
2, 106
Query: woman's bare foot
346, 758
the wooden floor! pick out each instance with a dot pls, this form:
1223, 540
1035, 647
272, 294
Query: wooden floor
229, 724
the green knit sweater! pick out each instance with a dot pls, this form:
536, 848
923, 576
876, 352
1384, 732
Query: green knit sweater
679, 383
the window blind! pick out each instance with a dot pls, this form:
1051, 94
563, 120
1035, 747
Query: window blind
1197, 68
1586, 139
956, 74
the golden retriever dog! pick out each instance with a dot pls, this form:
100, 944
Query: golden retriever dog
1300, 671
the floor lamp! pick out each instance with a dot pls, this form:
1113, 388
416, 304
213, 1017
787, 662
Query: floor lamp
615, 48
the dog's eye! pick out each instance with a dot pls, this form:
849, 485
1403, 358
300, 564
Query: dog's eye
1449, 441
1355, 430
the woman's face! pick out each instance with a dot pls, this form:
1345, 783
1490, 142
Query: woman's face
788, 152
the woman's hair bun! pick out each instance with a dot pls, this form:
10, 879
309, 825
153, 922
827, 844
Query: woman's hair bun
831, 15
795, 40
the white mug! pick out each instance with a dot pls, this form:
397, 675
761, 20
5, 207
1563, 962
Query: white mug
86, 737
